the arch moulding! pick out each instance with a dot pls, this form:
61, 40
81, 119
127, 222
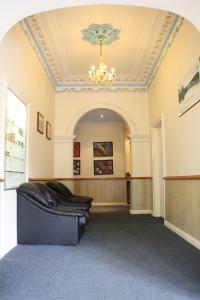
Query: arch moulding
76, 117
188, 9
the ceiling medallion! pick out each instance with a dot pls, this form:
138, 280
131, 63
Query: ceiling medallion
101, 34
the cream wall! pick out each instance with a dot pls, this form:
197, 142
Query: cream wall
182, 142
181, 133
87, 133
21, 71
25, 76
69, 107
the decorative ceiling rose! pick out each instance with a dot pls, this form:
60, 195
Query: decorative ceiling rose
92, 33
104, 34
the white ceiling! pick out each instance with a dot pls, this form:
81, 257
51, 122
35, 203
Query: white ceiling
145, 36
102, 115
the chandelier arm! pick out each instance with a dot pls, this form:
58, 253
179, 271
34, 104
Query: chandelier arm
101, 50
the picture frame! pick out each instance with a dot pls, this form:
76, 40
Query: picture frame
76, 150
189, 89
48, 130
102, 149
77, 167
40, 123
103, 167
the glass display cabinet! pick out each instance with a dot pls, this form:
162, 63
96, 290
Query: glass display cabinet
15, 142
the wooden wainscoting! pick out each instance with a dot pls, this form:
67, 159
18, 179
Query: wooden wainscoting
142, 195
104, 191
182, 201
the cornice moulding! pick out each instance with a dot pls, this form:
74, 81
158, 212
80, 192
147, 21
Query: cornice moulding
33, 26
64, 138
139, 138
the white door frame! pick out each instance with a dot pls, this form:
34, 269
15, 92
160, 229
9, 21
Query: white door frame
159, 123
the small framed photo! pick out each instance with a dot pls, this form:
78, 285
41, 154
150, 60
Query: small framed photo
40, 123
76, 149
48, 130
77, 166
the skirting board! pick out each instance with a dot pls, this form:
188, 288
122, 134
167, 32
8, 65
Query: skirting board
183, 234
139, 212
109, 204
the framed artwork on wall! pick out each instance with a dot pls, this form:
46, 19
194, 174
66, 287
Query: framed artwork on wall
77, 167
103, 167
40, 123
76, 149
101, 149
189, 89
48, 130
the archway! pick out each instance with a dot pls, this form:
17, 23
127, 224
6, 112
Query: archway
102, 137
187, 9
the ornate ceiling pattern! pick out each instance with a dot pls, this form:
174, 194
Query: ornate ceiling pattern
145, 36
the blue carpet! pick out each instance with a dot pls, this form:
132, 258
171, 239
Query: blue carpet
120, 257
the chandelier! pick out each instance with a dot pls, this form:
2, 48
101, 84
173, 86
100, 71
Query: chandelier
101, 75
101, 35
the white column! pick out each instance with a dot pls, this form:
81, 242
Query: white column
64, 156
140, 159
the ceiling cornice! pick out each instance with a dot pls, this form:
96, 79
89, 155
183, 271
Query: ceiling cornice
80, 83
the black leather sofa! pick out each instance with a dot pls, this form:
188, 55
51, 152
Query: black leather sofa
67, 195
42, 219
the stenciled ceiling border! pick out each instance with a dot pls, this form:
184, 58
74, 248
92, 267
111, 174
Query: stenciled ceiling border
80, 83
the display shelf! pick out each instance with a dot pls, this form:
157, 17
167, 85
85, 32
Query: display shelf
18, 143
15, 157
13, 171
15, 142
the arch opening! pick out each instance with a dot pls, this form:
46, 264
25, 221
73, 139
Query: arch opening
32, 7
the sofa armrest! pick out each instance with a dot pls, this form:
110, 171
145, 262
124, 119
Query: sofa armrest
64, 211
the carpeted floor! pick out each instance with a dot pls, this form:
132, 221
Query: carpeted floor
120, 257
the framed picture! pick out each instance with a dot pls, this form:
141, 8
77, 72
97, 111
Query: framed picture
101, 149
40, 123
103, 167
189, 89
77, 167
48, 130
76, 149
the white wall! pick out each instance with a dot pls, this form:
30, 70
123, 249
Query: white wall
127, 151
181, 133
87, 133
21, 71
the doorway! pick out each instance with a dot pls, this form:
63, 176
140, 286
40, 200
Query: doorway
158, 167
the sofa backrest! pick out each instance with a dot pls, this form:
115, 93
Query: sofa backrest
39, 192
60, 188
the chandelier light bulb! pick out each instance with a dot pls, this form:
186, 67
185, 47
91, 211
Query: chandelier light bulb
93, 67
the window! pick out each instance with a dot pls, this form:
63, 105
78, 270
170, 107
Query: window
15, 143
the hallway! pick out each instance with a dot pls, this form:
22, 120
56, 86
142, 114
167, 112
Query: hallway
120, 257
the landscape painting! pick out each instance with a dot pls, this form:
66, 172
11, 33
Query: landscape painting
101, 149
103, 167
189, 90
